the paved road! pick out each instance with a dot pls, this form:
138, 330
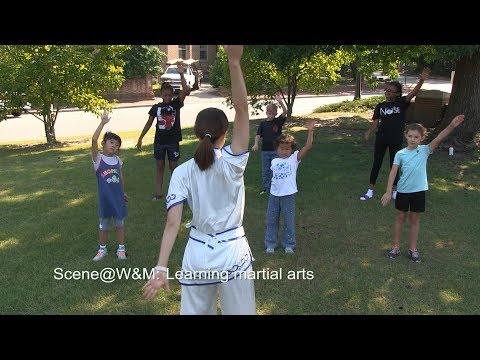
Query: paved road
132, 116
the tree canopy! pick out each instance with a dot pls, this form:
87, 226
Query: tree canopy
142, 60
51, 77
285, 69
290, 69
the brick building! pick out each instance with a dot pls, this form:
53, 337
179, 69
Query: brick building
140, 89
204, 53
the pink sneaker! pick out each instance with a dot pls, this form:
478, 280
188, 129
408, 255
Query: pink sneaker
121, 255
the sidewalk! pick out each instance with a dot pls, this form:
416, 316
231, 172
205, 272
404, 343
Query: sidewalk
408, 83
206, 93
132, 116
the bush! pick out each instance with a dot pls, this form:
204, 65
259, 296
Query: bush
219, 69
356, 106
143, 60
214, 77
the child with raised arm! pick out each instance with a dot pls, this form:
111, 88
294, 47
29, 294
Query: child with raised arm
413, 183
168, 132
111, 195
268, 130
283, 189
389, 118
217, 257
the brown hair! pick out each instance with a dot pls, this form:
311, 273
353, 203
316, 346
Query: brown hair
416, 126
211, 124
397, 86
285, 139
110, 135
272, 107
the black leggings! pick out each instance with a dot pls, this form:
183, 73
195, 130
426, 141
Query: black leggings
379, 153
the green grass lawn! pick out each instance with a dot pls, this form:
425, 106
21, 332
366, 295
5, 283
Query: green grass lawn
48, 217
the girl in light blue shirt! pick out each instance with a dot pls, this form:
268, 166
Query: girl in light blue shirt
411, 161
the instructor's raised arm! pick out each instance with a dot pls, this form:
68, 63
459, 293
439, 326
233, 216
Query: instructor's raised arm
241, 128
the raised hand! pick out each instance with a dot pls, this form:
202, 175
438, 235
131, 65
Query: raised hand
425, 73
105, 117
310, 124
234, 52
180, 68
457, 120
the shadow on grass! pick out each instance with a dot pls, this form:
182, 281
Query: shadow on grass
48, 211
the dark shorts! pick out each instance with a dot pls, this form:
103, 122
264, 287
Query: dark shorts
172, 150
410, 201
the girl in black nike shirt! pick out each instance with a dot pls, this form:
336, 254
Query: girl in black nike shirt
389, 119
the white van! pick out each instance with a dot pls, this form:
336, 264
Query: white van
193, 76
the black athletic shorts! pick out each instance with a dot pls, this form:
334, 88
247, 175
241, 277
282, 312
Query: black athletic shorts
410, 201
172, 151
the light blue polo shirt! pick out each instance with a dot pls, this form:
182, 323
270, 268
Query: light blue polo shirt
413, 169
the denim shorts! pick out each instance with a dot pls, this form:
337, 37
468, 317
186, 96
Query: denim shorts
105, 223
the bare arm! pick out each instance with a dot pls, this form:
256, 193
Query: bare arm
104, 119
391, 178
255, 146
172, 225
457, 120
279, 99
185, 88
309, 143
123, 185
241, 124
424, 76
372, 127
147, 127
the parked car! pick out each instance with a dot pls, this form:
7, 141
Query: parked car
193, 75
380, 76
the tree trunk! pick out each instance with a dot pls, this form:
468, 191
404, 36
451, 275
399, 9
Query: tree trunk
290, 106
358, 86
291, 94
353, 68
464, 99
49, 125
358, 79
289, 110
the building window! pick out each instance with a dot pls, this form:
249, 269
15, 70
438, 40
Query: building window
182, 51
203, 52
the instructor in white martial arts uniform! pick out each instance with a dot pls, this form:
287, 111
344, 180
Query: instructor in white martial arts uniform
217, 257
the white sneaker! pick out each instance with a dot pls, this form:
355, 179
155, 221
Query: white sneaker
100, 255
289, 250
368, 195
